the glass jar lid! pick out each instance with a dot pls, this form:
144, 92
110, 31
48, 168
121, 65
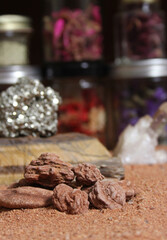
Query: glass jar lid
16, 23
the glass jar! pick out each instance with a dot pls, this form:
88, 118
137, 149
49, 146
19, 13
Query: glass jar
136, 90
81, 86
10, 74
15, 31
140, 31
72, 30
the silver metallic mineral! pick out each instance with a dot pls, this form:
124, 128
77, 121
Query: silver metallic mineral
28, 108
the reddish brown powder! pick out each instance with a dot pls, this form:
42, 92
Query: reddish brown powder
143, 218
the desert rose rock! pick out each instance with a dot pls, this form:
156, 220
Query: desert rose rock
48, 171
129, 189
87, 174
69, 200
87, 189
25, 197
107, 194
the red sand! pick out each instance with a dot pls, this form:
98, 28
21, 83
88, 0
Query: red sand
144, 218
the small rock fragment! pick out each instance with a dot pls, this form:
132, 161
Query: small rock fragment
107, 194
129, 191
69, 200
87, 174
25, 197
48, 171
60, 193
21, 183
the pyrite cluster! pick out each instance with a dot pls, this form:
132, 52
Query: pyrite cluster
28, 108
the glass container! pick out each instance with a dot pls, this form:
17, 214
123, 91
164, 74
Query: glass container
10, 74
15, 31
140, 31
135, 90
72, 30
81, 86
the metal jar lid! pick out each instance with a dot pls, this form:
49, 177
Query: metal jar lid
10, 74
140, 69
140, 1
16, 23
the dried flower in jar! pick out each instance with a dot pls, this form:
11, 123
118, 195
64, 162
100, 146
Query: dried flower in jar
74, 35
148, 32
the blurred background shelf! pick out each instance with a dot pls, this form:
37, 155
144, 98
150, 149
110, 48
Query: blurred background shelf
34, 9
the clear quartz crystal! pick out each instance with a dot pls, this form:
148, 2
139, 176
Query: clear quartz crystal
137, 144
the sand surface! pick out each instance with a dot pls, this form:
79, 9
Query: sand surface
143, 218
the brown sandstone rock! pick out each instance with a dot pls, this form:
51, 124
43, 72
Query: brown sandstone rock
48, 171
69, 200
87, 174
129, 189
107, 194
25, 197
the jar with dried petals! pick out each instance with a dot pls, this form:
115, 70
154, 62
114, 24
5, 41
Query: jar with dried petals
140, 31
72, 30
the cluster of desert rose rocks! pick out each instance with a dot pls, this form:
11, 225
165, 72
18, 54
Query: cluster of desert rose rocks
71, 189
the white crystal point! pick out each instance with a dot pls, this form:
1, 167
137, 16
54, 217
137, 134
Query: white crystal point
161, 156
137, 144
160, 119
